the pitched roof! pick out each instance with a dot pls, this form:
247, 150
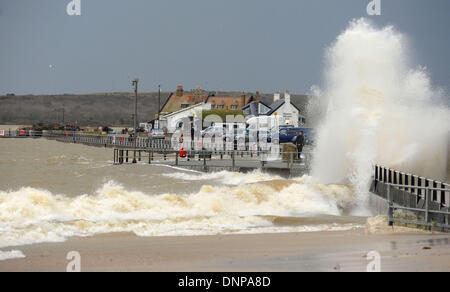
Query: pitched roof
174, 102
184, 109
226, 101
249, 104
279, 103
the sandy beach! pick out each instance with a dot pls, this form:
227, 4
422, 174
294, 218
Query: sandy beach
317, 251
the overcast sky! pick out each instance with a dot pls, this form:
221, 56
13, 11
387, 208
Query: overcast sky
216, 44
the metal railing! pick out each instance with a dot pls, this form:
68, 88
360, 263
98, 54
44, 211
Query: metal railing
426, 210
216, 158
431, 198
20, 133
414, 184
124, 141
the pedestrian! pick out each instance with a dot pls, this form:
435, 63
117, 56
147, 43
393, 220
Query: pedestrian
300, 142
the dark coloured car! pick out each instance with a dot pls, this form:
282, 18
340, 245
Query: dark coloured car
289, 135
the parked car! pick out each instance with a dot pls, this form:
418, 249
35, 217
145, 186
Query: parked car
213, 132
157, 134
289, 135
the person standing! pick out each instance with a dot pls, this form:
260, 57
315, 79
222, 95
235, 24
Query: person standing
300, 142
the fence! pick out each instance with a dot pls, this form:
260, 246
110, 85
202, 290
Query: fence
122, 141
426, 198
20, 133
217, 160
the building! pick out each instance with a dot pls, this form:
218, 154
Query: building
181, 106
286, 112
174, 121
226, 102
255, 108
181, 100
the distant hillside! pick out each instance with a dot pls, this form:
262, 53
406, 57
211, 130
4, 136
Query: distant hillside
112, 109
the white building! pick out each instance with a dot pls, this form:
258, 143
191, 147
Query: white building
174, 121
286, 112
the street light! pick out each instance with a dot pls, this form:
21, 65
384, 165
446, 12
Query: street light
135, 84
159, 104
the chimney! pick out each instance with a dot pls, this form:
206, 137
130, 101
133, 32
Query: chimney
180, 90
287, 97
244, 101
276, 97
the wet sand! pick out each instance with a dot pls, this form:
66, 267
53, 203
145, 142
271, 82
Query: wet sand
319, 251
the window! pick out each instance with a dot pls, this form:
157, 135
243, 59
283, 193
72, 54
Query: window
220, 107
233, 107
185, 105
263, 109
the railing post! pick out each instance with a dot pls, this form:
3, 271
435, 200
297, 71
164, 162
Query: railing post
391, 206
233, 161
427, 205
435, 191
176, 158
419, 184
204, 162
443, 202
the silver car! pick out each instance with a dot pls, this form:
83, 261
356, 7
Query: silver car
157, 134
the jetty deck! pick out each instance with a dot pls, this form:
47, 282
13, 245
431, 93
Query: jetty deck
213, 161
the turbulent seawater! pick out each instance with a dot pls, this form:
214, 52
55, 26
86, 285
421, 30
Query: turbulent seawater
376, 108
50, 191
379, 107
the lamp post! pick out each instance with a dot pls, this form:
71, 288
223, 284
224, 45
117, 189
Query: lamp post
135, 84
159, 104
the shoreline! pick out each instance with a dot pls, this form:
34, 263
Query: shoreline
328, 251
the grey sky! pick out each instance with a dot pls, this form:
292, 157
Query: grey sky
217, 44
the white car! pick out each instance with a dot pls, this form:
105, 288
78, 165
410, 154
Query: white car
157, 134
